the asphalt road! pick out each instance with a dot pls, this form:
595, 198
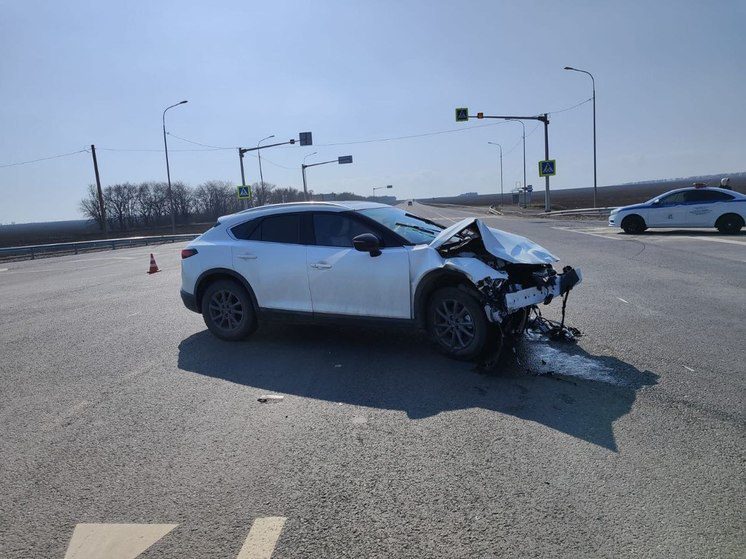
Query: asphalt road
117, 407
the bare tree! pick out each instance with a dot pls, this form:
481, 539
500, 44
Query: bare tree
120, 203
214, 198
262, 193
183, 201
90, 207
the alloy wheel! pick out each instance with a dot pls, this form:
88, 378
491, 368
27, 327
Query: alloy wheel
226, 310
453, 325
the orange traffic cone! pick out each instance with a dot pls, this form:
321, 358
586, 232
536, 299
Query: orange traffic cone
153, 265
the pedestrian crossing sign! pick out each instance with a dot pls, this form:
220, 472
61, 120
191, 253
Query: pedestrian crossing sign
244, 192
462, 114
548, 168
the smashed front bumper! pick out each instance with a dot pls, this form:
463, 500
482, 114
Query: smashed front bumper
504, 299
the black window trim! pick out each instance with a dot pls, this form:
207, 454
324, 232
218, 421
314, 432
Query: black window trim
302, 232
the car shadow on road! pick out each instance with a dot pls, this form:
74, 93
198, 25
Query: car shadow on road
562, 387
707, 233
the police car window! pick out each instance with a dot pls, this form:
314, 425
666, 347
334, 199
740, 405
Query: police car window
707, 196
279, 229
337, 230
675, 198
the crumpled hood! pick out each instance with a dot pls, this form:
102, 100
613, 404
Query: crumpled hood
506, 246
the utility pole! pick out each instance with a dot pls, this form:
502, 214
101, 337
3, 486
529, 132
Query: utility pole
101, 206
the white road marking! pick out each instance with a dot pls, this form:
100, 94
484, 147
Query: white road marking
262, 538
689, 368
3, 269
114, 541
589, 233
622, 300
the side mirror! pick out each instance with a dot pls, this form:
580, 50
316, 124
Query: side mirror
367, 242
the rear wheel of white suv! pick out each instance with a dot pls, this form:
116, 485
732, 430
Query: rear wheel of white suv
457, 323
228, 311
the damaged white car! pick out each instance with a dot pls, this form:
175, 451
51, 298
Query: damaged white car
469, 285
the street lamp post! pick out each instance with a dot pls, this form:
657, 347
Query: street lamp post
501, 170
168, 170
523, 135
593, 84
259, 156
303, 172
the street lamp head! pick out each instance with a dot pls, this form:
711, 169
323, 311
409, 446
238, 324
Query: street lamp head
569, 68
184, 101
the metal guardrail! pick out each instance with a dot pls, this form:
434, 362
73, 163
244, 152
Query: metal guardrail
80, 246
581, 211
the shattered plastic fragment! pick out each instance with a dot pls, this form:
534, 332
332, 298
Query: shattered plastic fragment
268, 398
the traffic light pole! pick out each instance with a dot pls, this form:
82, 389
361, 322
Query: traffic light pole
243, 176
541, 118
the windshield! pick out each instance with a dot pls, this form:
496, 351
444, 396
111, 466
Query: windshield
416, 230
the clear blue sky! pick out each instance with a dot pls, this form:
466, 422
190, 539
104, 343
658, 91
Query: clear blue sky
670, 92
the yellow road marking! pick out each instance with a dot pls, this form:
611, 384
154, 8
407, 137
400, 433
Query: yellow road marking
262, 538
114, 541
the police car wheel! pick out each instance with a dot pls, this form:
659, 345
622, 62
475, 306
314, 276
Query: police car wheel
633, 225
729, 224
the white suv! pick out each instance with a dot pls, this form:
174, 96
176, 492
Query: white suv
466, 284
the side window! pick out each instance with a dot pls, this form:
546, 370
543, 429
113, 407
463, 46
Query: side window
675, 198
707, 196
245, 229
278, 229
337, 230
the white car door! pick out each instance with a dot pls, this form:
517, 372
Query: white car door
346, 281
703, 207
273, 261
668, 212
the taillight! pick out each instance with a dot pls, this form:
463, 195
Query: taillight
187, 252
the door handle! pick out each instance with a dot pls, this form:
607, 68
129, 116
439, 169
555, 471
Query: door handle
321, 266
247, 256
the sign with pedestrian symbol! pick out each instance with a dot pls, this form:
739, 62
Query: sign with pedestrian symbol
244, 192
548, 168
462, 114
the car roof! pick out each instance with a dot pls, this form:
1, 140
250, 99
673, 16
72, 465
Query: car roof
713, 188
292, 207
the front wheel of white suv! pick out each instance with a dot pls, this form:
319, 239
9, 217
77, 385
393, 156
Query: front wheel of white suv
457, 323
228, 311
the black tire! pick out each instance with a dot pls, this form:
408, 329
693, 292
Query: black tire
457, 323
729, 224
633, 225
228, 311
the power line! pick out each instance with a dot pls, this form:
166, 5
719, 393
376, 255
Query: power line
424, 134
44, 158
152, 150
197, 143
571, 108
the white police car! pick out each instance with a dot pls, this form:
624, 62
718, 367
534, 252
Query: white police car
685, 207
